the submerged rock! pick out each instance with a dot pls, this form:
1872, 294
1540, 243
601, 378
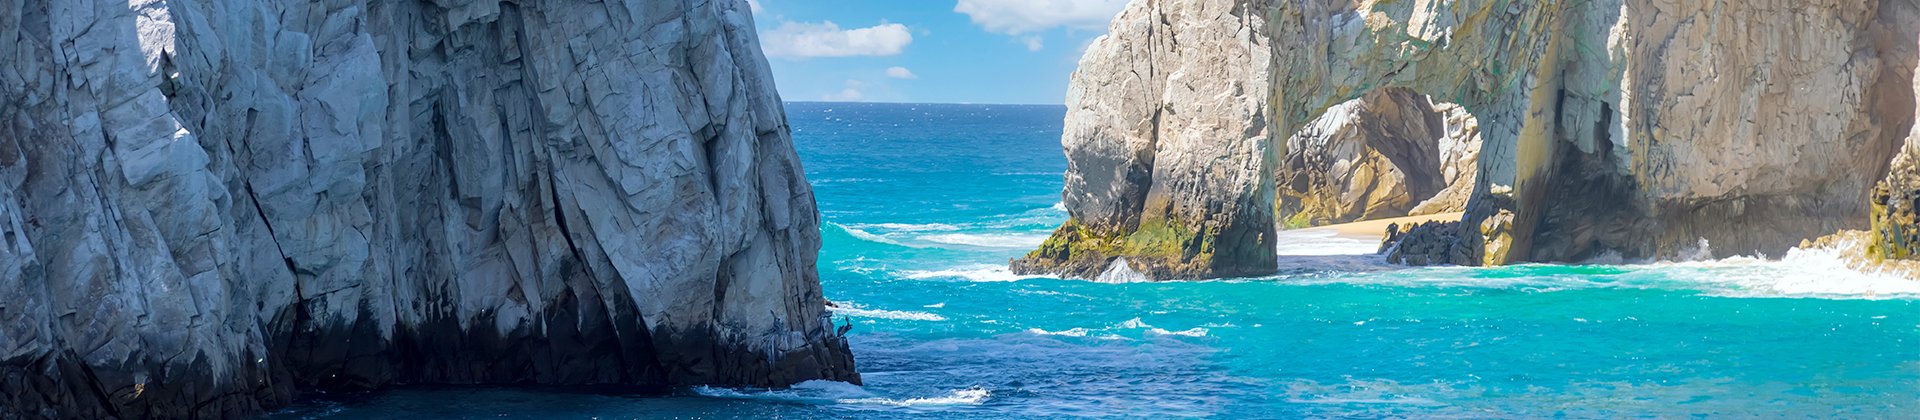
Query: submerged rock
207, 206
1629, 128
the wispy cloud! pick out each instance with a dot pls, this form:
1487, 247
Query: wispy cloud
901, 73
825, 39
1016, 17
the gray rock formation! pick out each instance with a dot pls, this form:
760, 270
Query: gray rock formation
1165, 139
1637, 127
1389, 154
208, 205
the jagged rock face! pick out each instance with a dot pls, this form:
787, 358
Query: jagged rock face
1168, 106
1381, 156
1895, 233
207, 205
1632, 126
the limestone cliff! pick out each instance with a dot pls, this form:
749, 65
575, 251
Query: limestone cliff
1165, 135
1389, 154
1637, 127
209, 205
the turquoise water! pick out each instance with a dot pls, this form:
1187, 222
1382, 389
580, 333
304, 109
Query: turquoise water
926, 203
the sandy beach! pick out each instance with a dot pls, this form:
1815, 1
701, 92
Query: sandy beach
1376, 230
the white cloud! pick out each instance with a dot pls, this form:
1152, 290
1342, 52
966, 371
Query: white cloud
1034, 43
850, 94
901, 73
754, 5
1015, 17
825, 39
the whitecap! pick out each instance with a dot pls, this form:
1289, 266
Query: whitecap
976, 273
1134, 323
856, 310
1059, 206
970, 396
832, 392
936, 305
1190, 332
907, 227
1075, 332
867, 236
989, 240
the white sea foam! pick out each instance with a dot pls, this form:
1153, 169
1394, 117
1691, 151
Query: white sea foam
1823, 272
977, 272
1133, 324
1801, 273
1190, 332
869, 236
1322, 242
856, 310
907, 227
989, 240
1075, 332
1059, 206
970, 396
831, 392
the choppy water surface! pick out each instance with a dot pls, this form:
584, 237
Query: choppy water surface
925, 204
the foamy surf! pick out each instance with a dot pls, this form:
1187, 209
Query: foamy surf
1802, 273
907, 227
821, 392
975, 273
989, 240
858, 311
1321, 242
1075, 332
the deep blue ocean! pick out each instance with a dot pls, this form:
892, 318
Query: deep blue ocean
924, 205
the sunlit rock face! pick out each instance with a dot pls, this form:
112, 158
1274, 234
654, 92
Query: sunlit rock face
1636, 127
1391, 153
1165, 134
209, 205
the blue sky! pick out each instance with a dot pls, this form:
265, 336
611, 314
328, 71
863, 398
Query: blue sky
930, 51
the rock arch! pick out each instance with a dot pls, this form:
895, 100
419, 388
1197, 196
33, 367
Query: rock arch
1633, 126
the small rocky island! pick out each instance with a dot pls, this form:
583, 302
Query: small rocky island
1634, 129
210, 206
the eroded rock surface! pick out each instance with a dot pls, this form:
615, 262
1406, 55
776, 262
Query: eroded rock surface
1895, 233
1389, 154
1165, 135
208, 205
1629, 127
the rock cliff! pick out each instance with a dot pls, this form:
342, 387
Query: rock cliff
1636, 127
207, 206
1391, 153
1895, 233
1165, 138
